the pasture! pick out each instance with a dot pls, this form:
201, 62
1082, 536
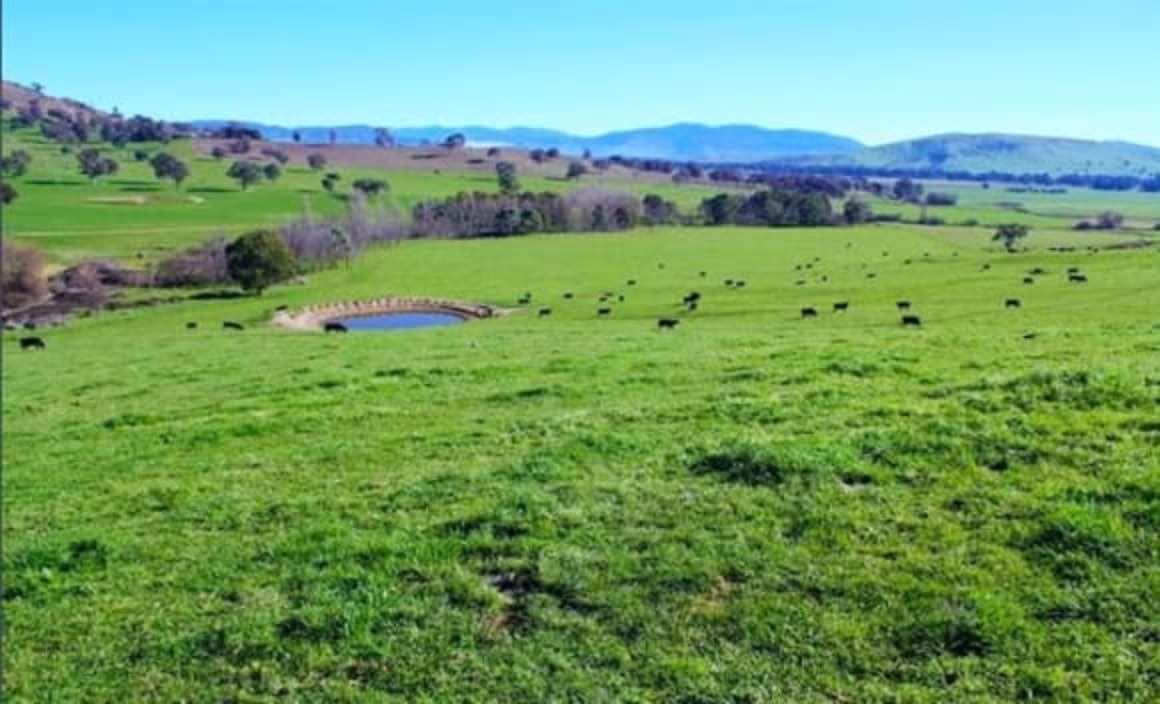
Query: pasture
750, 507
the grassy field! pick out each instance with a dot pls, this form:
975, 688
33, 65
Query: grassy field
752, 508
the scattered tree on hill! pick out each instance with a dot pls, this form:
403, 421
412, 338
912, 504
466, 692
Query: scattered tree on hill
15, 164
455, 141
296, 137
218, 153
272, 172
1010, 234
505, 174
167, 166
538, 155
857, 211
330, 180
37, 88
22, 279
236, 131
276, 154
93, 165
370, 186
8, 194
384, 138
333, 136
140, 155
576, 169
246, 173
493, 151
259, 259
552, 153
239, 146
658, 211
316, 161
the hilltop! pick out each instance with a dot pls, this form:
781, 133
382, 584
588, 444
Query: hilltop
982, 153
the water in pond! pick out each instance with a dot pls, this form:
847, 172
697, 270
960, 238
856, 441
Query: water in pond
400, 321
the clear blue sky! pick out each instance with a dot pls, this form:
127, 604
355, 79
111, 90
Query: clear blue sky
877, 70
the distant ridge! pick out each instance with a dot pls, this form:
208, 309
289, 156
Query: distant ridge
1009, 153
679, 142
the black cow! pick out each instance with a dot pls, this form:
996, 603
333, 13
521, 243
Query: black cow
809, 313
668, 324
545, 312
903, 305
738, 284
704, 274
603, 312
729, 282
620, 298
524, 299
691, 297
31, 343
281, 308
568, 295
800, 282
985, 267
825, 278
191, 325
841, 306
1073, 270
1011, 303
911, 321
905, 261
1028, 280
692, 306
333, 326
631, 282
871, 275
231, 325
1077, 278
1037, 271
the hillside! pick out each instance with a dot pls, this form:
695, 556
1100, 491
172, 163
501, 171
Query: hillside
679, 142
980, 153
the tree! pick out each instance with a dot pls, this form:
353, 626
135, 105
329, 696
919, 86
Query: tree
218, 153
455, 141
276, 154
576, 169
505, 173
370, 186
37, 88
272, 172
384, 138
1109, 220
93, 165
316, 161
857, 211
246, 173
259, 259
1010, 234
333, 137
22, 279
15, 164
167, 166
907, 190
7, 193
330, 180
297, 137
538, 155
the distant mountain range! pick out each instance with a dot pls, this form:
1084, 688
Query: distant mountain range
981, 153
680, 142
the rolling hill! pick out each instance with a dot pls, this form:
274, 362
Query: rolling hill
981, 153
679, 142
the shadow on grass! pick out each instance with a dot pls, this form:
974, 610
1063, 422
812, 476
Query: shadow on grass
212, 189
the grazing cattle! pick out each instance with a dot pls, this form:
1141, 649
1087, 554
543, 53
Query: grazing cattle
825, 278
1028, 280
986, 267
524, 299
911, 321
602, 299
841, 306
903, 305
631, 282
738, 284
568, 295
809, 313
1011, 303
603, 312
871, 275
1073, 270
668, 324
905, 261
692, 306
231, 325
1030, 336
704, 274
620, 298
545, 312
800, 282
333, 326
1037, 271
191, 325
29, 325
798, 267
729, 282
31, 343
1077, 278
692, 297
281, 308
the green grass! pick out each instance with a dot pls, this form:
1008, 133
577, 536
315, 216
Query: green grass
751, 508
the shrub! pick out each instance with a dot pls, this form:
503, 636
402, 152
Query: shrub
22, 280
203, 265
259, 259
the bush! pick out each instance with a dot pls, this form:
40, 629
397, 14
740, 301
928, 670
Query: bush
940, 199
203, 265
259, 259
22, 279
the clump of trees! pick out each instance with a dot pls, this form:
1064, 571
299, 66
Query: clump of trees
15, 164
773, 207
8, 194
330, 180
505, 175
22, 277
576, 169
236, 131
246, 173
93, 165
276, 154
1010, 234
502, 215
167, 166
857, 211
258, 260
370, 186
655, 210
1107, 220
316, 161
271, 172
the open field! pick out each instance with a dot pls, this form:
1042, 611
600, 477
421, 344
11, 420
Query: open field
753, 507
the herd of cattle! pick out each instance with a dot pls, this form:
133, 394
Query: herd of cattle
691, 302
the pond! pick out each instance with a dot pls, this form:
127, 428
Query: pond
400, 321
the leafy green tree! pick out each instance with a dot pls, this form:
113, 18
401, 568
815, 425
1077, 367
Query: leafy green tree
370, 186
7, 193
272, 172
167, 166
1010, 234
857, 211
15, 164
259, 259
575, 170
316, 161
505, 173
246, 173
330, 180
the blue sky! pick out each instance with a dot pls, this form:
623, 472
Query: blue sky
876, 70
